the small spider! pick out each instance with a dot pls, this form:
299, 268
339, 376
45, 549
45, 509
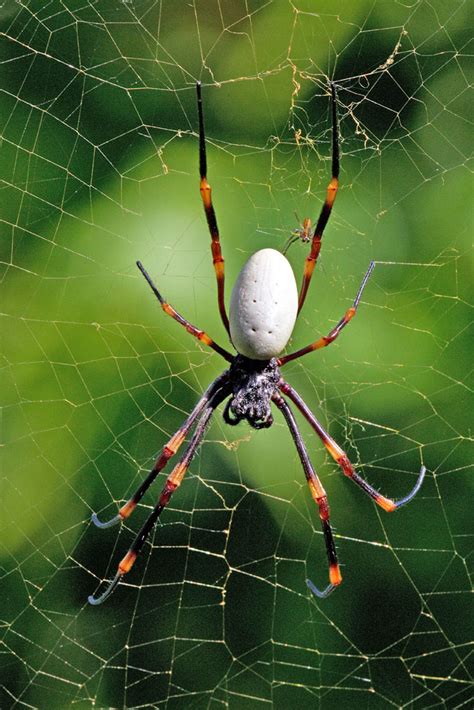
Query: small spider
263, 310
302, 233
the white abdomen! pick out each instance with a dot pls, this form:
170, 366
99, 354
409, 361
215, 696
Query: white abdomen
263, 306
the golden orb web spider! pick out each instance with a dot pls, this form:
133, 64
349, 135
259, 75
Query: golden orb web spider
263, 310
300, 234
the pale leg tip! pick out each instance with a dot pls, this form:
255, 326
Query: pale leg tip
320, 593
108, 523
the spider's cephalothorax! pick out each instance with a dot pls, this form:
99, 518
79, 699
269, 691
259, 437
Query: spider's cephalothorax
263, 310
253, 382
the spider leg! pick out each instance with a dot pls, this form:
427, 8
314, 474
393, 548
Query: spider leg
331, 193
333, 334
199, 334
169, 449
341, 459
319, 496
205, 189
290, 241
172, 483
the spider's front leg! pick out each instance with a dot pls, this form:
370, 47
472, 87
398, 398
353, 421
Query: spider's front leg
320, 498
173, 482
168, 450
340, 457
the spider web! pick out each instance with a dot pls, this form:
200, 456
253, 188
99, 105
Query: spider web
99, 168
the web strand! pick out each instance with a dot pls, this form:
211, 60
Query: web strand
100, 167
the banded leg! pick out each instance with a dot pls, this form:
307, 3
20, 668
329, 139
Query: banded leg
205, 189
319, 496
331, 193
333, 334
199, 334
172, 483
169, 450
340, 457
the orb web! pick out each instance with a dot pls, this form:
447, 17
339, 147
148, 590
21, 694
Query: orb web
99, 168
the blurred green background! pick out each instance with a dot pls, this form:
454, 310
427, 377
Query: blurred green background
99, 168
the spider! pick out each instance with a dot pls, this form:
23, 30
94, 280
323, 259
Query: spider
263, 310
301, 233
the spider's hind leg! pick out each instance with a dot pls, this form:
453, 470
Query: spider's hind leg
169, 310
206, 196
325, 213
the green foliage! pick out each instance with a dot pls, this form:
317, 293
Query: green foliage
99, 168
